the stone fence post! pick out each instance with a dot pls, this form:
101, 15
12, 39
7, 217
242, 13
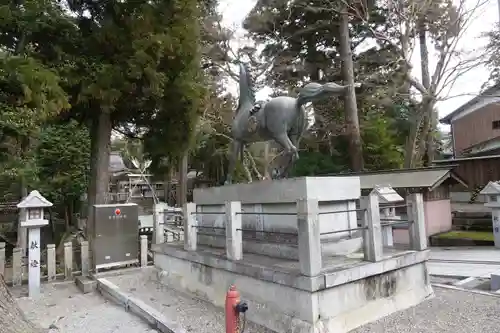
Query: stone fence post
158, 220
84, 256
17, 269
144, 250
51, 262
68, 260
309, 237
234, 240
372, 235
190, 227
416, 227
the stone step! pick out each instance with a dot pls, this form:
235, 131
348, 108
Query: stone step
85, 284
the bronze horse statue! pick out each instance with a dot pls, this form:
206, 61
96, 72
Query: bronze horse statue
282, 119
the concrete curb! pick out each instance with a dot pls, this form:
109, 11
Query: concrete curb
457, 277
480, 292
138, 307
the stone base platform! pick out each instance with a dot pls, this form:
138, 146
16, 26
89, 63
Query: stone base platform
348, 292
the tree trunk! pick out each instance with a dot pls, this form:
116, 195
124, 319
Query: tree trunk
12, 319
411, 143
351, 108
427, 136
166, 186
22, 233
182, 181
100, 145
418, 144
66, 218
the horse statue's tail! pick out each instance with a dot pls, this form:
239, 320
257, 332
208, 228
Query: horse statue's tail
313, 91
247, 93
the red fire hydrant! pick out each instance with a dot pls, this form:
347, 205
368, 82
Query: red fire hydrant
233, 309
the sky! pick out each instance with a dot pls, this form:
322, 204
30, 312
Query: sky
465, 88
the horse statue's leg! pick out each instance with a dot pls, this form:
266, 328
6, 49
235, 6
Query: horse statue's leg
291, 153
236, 148
294, 139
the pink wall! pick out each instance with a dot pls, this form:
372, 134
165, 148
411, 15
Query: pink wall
437, 219
400, 236
437, 216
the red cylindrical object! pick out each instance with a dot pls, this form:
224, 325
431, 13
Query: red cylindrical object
232, 299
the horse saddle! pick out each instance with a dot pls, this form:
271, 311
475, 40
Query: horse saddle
253, 123
256, 107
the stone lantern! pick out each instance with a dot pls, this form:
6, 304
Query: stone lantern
32, 218
492, 193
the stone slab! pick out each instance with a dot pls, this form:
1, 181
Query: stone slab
138, 307
85, 284
267, 269
282, 191
495, 281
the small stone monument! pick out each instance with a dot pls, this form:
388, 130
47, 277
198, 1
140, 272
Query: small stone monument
387, 197
492, 192
34, 204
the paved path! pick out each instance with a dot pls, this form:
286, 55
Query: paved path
464, 261
192, 314
63, 308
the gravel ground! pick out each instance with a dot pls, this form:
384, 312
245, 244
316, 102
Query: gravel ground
193, 314
63, 308
450, 311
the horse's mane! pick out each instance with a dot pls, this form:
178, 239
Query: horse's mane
247, 85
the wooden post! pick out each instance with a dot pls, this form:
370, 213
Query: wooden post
51, 262
2, 258
84, 255
144, 250
17, 267
68, 261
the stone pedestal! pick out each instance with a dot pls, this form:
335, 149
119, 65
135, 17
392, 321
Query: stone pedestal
275, 207
298, 266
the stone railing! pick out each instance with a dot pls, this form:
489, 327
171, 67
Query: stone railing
308, 229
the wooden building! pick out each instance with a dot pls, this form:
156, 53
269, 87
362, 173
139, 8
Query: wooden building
475, 126
475, 171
